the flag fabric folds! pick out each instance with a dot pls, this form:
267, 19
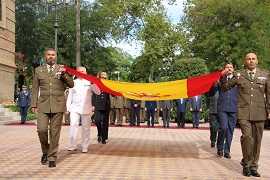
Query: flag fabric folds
154, 91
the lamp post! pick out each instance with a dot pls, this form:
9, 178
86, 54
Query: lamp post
118, 77
56, 3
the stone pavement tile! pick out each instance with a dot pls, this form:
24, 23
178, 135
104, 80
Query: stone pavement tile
130, 153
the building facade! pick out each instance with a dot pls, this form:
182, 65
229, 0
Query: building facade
7, 50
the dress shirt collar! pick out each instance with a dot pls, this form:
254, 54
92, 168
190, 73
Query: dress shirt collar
254, 71
53, 66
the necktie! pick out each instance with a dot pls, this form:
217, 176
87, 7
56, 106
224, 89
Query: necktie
228, 78
196, 97
181, 101
251, 75
51, 70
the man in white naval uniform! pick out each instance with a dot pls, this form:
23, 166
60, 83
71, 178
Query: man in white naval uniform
79, 105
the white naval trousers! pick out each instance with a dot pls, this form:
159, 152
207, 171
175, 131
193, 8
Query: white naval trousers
74, 126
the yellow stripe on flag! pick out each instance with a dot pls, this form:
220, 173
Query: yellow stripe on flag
149, 91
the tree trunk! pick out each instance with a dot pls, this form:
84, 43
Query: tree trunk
78, 34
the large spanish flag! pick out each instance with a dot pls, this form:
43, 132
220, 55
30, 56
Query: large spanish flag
154, 91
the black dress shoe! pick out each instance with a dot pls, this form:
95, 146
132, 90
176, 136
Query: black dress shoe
255, 173
228, 156
52, 164
99, 139
213, 144
44, 158
103, 142
220, 153
247, 172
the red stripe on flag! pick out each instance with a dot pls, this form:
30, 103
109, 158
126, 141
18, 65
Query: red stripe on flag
94, 80
201, 84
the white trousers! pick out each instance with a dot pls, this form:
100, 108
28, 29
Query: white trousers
74, 126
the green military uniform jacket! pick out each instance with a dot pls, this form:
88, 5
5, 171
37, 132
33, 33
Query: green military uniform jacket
48, 90
119, 102
251, 105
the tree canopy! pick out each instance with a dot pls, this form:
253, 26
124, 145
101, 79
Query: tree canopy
214, 32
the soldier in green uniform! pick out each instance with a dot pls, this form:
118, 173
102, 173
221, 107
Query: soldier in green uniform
252, 83
157, 113
119, 109
112, 110
48, 99
127, 110
142, 112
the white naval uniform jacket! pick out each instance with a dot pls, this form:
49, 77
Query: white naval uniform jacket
80, 97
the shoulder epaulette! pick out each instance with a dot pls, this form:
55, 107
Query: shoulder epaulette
264, 70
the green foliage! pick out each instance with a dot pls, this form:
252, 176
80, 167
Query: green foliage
31, 117
187, 68
13, 108
227, 31
16, 108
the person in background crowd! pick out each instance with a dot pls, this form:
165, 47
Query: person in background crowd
24, 103
211, 105
101, 107
135, 106
181, 110
112, 114
119, 109
166, 107
127, 110
143, 113
195, 104
48, 99
226, 107
150, 108
79, 105
157, 113
252, 83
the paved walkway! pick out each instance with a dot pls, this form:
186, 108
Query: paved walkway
130, 153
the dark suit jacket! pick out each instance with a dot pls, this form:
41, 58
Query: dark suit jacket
181, 108
251, 105
166, 104
102, 101
48, 91
151, 105
227, 101
132, 102
196, 106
